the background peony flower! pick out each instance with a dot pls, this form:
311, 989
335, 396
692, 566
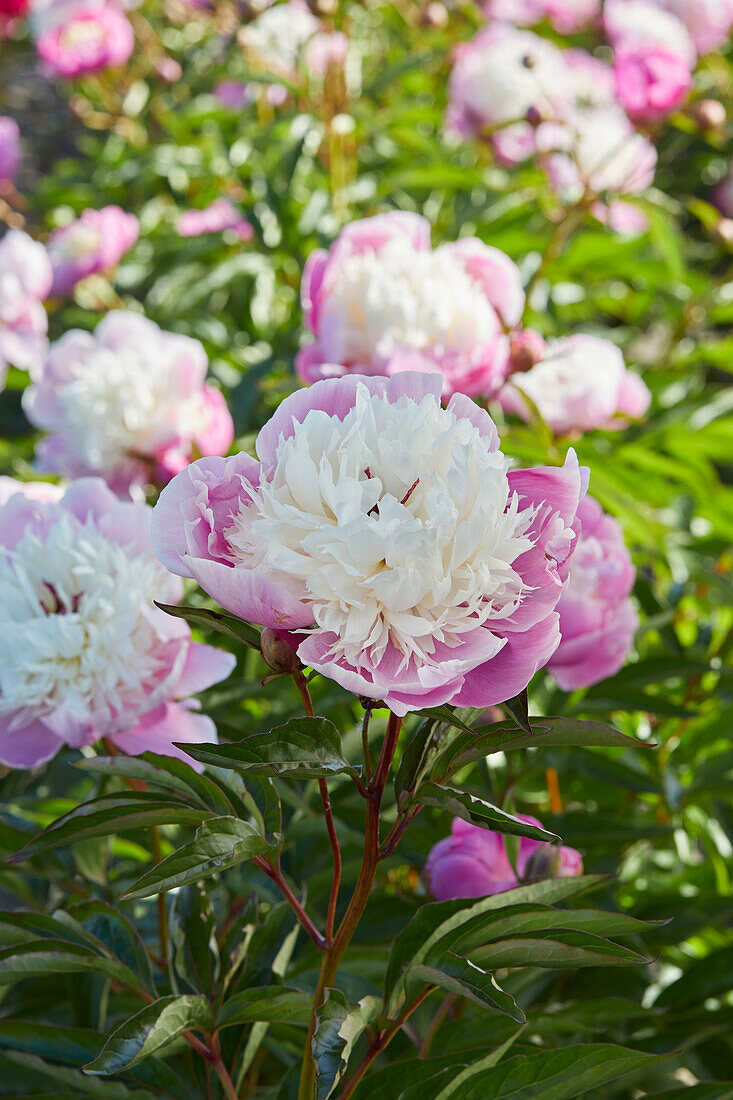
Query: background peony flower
44, 491
597, 619
10, 150
325, 49
381, 301
644, 24
651, 82
622, 217
84, 653
25, 280
581, 384
276, 38
95, 241
391, 533
708, 22
93, 39
234, 94
569, 16
472, 862
128, 402
11, 13
722, 194
220, 215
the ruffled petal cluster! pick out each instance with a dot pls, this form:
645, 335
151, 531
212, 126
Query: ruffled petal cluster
381, 300
389, 532
84, 653
128, 402
597, 618
472, 862
90, 38
95, 241
25, 281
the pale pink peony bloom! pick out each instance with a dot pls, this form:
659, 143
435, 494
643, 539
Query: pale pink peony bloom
581, 384
622, 217
391, 533
472, 862
43, 491
722, 194
566, 16
10, 151
708, 22
276, 38
597, 618
651, 82
128, 402
597, 151
381, 300
84, 652
95, 241
215, 218
93, 39
644, 24
234, 94
25, 281
324, 50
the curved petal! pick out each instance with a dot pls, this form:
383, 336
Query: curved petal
205, 665
158, 730
505, 675
251, 596
27, 747
497, 275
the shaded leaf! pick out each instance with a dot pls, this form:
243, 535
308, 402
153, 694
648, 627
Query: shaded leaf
215, 620
151, 1029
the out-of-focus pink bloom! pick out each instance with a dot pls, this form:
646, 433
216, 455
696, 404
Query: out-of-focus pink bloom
597, 619
95, 241
708, 22
472, 862
128, 402
597, 151
381, 300
391, 533
233, 94
644, 24
168, 69
324, 50
651, 82
220, 215
93, 39
581, 384
85, 653
43, 491
622, 217
11, 14
722, 195
25, 281
566, 16
10, 151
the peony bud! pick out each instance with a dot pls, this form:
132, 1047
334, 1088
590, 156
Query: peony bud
433, 14
277, 650
709, 114
724, 232
526, 347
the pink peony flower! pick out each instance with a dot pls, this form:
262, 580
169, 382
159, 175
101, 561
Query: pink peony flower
566, 16
25, 280
708, 22
11, 14
472, 862
128, 403
85, 653
220, 215
234, 94
91, 40
381, 301
581, 384
10, 151
651, 82
644, 24
599, 150
597, 619
324, 50
95, 241
622, 217
391, 533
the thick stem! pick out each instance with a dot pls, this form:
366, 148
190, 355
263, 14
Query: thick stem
370, 860
333, 898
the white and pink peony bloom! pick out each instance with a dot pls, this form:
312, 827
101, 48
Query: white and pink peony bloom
215, 218
582, 383
128, 403
276, 38
10, 151
92, 39
25, 281
95, 241
84, 653
566, 16
597, 618
472, 862
381, 300
651, 82
708, 22
44, 491
391, 533
644, 24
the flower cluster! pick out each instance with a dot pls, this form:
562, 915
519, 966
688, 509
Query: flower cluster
79, 37
96, 241
219, 216
25, 281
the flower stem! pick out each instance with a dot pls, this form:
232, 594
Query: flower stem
382, 1040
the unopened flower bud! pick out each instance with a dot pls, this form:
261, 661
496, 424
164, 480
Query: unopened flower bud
278, 651
724, 232
542, 864
169, 70
433, 14
709, 114
526, 347
534, 116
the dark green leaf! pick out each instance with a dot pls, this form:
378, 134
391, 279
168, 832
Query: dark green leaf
270, 1004
519, 710
151, 1029
339, 1026
303, 748
465, 979
471, 808
215, 620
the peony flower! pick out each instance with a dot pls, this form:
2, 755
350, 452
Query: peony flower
644, 24
84, 653
622, 217
722, 194
389, 532
220, 215
566, 16
597, 619
381, 301
10, 151
708, 22
33, 490
95, 241
234, 94
276, 38
472, 862
581, 384
651, 82
128, 403
25, 280
11, 13
324, 50
92, 39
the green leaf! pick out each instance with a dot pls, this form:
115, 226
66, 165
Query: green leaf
471, 808
303, 748
151, 1029
455, 1082
270, 1004
564, 949
162, 771
462, 977
220, 842
193, 943
116, 813
339, 1025
520, 920
35, 1069
518, 707
413, 760
42, 957
705, 977
214, 620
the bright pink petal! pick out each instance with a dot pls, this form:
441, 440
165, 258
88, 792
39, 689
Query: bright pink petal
505, 675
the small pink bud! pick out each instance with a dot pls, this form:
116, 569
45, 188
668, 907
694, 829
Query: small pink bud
710, 114
526, 347
277, 650
433, 14
724, 232
169, 70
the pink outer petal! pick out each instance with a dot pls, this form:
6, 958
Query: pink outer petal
372, 234
634, 397
205, 665
158, 730
89, 498
466, 409
218, 433
27, 747
505, 675
251, 596
460, 876
310, 287
592, 657
497, 275
336, 397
